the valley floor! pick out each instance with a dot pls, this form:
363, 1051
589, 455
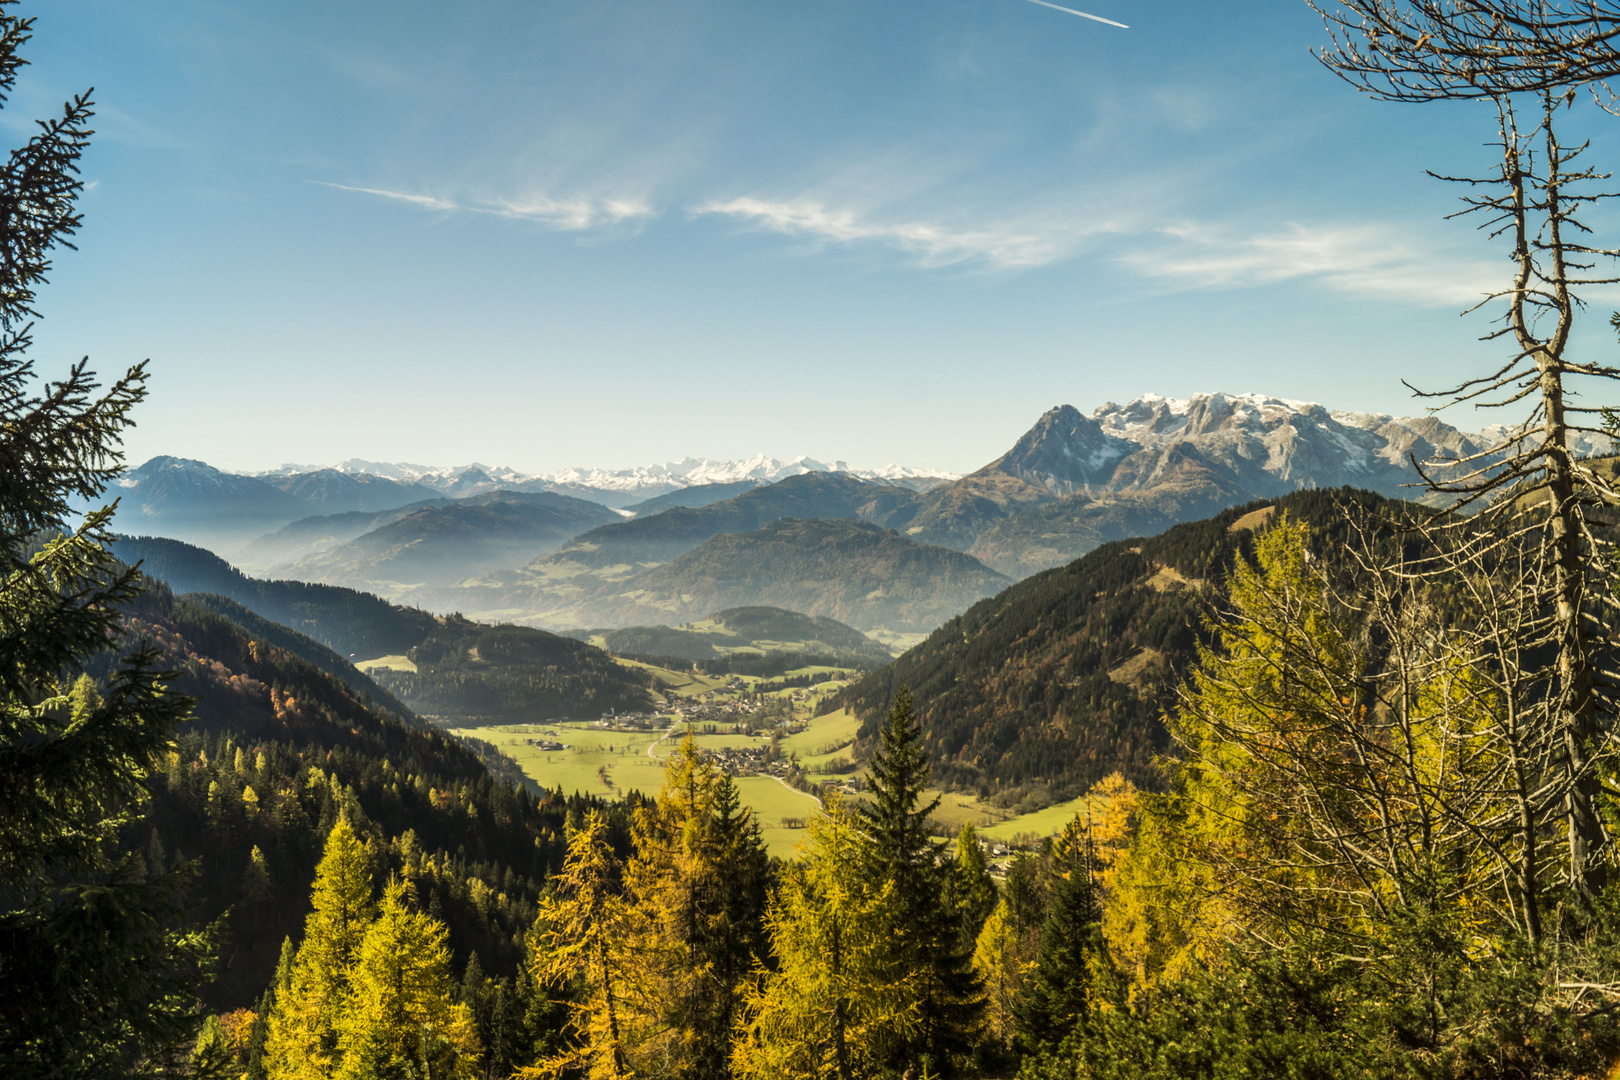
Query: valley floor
595, 760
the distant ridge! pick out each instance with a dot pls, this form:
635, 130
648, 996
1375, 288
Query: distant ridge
620, 487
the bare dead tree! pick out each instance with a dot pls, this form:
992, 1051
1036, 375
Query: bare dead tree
1530, 493
1446, 50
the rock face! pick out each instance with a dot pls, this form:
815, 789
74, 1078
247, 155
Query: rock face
1272, 445
1073, 481
1065, 452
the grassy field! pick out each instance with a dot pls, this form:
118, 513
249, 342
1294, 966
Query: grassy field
623, 754
1046, 822
813, 743
896, 643
684, 683
715, 742
629, 768
392, 663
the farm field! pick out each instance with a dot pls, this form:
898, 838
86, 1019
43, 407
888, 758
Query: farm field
830, 730
1046, 822
623, 754
629, 768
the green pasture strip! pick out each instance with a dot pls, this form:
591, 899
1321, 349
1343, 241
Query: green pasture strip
684, 683
1046, 822
829, 730
392, 663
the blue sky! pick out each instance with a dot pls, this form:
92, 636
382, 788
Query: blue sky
611, 232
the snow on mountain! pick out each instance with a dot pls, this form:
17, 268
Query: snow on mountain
641, 482
1272, 444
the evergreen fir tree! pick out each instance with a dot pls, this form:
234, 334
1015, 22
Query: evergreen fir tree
925, 933
743, 890
93, 973
1057, 992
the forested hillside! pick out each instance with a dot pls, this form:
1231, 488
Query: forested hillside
652, 538
694, 496
355, 624
311, 535
757, 632
1037, 693
565, 677
279, 751
442, 544
469, 673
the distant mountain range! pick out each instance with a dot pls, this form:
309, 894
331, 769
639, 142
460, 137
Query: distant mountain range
191, 500
590, 547
445, 543
619, 487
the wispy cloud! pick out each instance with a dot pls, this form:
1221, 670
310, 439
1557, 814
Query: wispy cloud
1009, 245
1368, 261
1362, 260
575, 215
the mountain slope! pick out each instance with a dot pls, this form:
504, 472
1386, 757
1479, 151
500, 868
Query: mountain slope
305, 648
1188, 487
342, 492
310, 535
471, 674
190, 499
564, 676
604, 557
439, 545
1038, 692
278, 752
747, 631
851, 571
694, 496
193, 501
1073, 481
353, 623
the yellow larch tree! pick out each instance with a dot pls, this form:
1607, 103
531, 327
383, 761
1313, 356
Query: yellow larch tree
837, 999
303, 1038
588, 931
401, 1012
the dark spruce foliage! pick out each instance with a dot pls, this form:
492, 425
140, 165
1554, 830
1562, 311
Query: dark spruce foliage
926, 931
470, 673
97, 975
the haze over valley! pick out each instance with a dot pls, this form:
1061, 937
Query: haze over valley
669, 544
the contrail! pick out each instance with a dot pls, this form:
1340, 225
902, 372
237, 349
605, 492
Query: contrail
1083, 15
